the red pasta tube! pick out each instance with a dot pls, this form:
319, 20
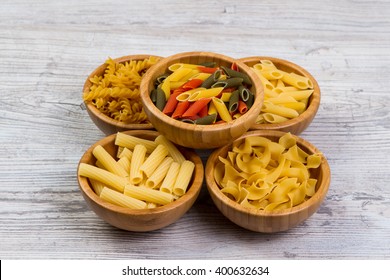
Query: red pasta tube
209, 70
234, 66
191, 84
204, 111
171, 104
181, 108
196, 107
242, 107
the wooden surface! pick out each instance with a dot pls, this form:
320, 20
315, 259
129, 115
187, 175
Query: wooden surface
48, 48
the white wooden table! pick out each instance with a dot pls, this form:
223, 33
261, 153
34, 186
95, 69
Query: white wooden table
48, 48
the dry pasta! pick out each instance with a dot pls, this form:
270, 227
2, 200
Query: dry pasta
261, 174
152, 177
116, 92
286, 95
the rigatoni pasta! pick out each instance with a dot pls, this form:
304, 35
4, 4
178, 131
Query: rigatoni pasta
148, 177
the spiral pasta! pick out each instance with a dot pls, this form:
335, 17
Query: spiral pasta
116, 92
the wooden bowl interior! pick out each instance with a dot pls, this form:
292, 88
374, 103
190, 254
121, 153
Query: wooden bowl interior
143, 219
199, 136
268, 221
105, 123
299, 124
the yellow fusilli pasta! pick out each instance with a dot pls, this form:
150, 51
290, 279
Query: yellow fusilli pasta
116, 92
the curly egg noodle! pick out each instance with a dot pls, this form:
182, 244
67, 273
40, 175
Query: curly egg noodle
261, 174
116, 92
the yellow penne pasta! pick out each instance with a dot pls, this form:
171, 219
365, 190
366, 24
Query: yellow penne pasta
205, 93
147, 194
212, 109
175, 85
120, 199
183, 178
155, 158
92, 172
177, 66
130, 142
178, 74
159, 174
201, 76
173, 151
297, 81
137, 160
298, 95
273, 118
186, 95
166, 87
222, 109
268, 107
272, 74
170, 178
108, 161
226, 96
264, 81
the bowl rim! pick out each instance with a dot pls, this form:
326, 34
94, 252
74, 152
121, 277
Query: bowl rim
314, 100
100, 115
147, 102
193, 189
319, 195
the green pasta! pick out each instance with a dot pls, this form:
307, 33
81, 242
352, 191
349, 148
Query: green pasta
233, 101
244, 93
209, 119
228, 83
235, 74
212, 79
210, 64
153, 96
160, 99
161, 79
250, 100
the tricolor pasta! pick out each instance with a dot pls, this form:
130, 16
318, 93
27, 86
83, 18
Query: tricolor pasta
116, 92
203, 94
143, 175
261, 174
286, 95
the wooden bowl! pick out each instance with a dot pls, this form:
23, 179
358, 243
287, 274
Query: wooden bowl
144, 219
300, 123
192, 135
261, 220
105, 123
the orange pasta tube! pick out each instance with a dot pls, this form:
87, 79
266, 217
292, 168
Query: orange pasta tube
171, 104
191, 84
196, 107
181, 108
203, 112
242, 107
209, 70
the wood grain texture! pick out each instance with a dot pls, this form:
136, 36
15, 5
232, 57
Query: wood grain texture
47, 50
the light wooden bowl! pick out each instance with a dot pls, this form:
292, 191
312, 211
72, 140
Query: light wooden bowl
105, 123
199, 136
268, 221
300, 123
145, 219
